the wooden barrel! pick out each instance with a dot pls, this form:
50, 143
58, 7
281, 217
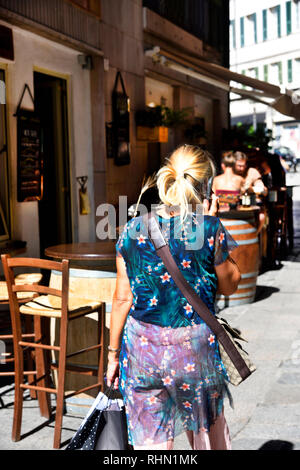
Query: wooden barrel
246, 255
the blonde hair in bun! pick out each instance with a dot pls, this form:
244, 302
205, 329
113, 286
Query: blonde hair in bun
180, 180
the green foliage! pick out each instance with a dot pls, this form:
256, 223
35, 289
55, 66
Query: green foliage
173, 118
247, 136
161, 116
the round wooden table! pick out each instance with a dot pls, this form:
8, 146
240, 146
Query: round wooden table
97, 251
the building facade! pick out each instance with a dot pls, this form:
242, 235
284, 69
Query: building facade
68, 54
264, 44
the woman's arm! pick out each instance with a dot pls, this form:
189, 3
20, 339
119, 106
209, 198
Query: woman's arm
122, 301
229, 276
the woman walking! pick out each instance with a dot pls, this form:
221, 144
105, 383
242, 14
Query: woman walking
162, 355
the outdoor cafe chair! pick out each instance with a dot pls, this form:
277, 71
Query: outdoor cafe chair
23, 297
58, 304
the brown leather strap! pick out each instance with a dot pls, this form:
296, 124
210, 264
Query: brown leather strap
163, 251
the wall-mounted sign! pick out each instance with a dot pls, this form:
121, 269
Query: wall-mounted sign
120, 124
29, 157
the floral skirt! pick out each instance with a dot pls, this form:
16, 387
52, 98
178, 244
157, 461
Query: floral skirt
172, 380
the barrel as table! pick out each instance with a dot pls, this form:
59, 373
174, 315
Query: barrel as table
246, 255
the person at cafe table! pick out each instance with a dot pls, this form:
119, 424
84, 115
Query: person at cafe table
252, 178
253, 182
228, 186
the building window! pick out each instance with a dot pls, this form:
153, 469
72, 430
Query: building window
275, 22
4, 176
278, 14
280, 72
250, 30
290, 70
242, 27
298, 15
255, 27
296, 67
254, 72
232, 34
266, 73
265, 25
288, 17
276, 73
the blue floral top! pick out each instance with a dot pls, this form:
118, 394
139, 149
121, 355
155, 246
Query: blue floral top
197, 245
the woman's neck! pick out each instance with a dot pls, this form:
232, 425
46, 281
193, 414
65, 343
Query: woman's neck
168, 212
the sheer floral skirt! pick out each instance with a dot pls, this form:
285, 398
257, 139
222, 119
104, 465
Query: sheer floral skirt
172, 380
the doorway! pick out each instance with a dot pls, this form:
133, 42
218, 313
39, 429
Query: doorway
55, 220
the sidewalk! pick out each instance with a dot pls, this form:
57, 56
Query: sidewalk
266, 407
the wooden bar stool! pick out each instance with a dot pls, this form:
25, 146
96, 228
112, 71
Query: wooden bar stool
55, 303
23, 297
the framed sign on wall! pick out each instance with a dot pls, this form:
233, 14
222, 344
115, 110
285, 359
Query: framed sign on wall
29, 154
120, 124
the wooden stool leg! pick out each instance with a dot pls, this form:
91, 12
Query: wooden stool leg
101, 322
18, 403
60, 383
43, 397
19, 379
29, 356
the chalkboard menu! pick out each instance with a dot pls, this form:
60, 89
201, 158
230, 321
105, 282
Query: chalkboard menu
120, 124
29, 158
30, 164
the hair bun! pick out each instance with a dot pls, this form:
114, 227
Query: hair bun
187, 160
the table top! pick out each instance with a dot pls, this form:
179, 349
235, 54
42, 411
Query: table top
102, 250
240, 213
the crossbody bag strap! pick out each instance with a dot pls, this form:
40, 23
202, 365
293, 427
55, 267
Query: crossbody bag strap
163, 251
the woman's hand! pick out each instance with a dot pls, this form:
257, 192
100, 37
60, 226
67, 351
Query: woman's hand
112, 373
213, 208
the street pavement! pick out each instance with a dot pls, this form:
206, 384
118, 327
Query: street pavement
266, 412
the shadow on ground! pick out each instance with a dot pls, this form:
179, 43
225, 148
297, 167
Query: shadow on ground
263, 292
277, 445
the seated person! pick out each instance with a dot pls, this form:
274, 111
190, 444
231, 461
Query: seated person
228, 186
228, 181
253, 181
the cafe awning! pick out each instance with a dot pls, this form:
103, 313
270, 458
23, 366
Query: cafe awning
278, 98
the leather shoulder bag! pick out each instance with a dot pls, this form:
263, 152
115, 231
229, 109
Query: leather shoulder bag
234, 357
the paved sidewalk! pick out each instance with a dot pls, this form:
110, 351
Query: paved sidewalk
266, 407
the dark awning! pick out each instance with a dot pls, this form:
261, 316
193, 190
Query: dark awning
220, 76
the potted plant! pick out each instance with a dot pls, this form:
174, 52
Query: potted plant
149, 123
153, 123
